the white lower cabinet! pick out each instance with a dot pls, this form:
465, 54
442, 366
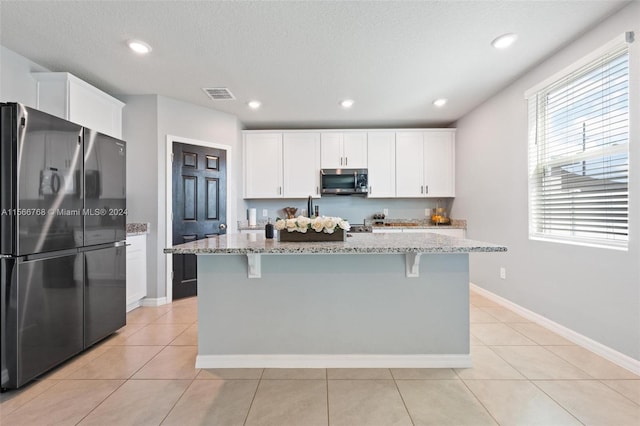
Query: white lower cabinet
387, 231
136, 270
451, 232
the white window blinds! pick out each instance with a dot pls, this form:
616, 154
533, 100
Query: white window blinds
578, 153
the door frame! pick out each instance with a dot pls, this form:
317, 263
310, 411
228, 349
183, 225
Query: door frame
231, 207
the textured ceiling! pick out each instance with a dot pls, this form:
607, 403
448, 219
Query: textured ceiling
301, 58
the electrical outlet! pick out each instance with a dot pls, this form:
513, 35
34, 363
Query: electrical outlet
503, 272
265, 212
385, 212
427, 212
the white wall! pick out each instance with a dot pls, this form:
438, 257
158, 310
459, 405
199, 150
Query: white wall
16, 83
147, 122
592, 291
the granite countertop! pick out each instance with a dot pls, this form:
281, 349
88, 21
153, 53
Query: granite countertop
363, 243
137, 228
413, 224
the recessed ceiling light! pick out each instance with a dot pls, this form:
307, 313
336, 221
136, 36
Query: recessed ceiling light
254, 104
347, 103
504, 41
440, 102
139, 47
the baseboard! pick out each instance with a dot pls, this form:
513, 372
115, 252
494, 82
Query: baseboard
158, 301
333, 361
131, 306
606, 352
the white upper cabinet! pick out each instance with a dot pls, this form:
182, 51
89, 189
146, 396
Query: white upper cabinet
439, 163
301, 165
263, 165
381, 162
416, 163
281, 165
66, 96
425, 163
343, 150
409, 164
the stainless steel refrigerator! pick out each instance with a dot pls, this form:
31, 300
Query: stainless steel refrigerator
62, 241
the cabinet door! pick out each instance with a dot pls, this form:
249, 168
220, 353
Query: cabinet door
301, 165
451, 232
409, 164
94, 109
263, 165
136, 269
439, 163
354, 150
381, 162
331, 151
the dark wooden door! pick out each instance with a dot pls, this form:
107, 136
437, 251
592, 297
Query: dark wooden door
199, 206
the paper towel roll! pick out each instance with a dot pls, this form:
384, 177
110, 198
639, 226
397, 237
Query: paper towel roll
252, 217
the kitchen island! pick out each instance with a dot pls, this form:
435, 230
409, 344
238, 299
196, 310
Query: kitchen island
374, 300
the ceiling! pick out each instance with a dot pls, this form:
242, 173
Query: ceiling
300, 59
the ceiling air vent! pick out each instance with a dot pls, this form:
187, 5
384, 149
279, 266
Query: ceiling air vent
219, 93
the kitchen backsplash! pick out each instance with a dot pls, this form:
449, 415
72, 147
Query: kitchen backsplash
352, 208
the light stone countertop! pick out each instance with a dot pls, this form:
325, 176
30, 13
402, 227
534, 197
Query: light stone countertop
137, 228
414, 224
359, 243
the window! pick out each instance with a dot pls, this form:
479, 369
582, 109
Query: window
578, 151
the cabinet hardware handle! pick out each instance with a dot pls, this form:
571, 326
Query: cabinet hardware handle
370, 189
346, 161
426, 191
341, 161
317, 190
279, 190
422, 189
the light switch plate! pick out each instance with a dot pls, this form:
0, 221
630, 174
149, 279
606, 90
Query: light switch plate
265, 212
503, 272
385, 212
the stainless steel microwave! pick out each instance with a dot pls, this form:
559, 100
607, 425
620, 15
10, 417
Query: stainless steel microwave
344, 181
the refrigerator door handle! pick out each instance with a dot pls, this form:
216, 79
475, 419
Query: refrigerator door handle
102, 246
50, 254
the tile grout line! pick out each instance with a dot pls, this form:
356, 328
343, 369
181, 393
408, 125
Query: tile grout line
524, 375
618, 392
177, 401
102, 401
479, 401
5, 413
402, 399
326, 380
246, 417
557, 402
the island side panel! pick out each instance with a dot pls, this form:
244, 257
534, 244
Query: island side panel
333, 304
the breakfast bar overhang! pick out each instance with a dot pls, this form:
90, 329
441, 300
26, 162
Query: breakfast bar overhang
371, 301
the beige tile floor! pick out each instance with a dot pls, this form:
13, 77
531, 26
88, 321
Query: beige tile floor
144, 375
